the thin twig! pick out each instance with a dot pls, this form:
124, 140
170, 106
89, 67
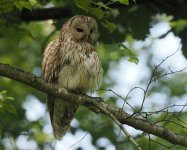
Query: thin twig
126, 132
165, 108
154, 78
87, 132
169, 147
11, 141
124, 99
169, 73
78, 141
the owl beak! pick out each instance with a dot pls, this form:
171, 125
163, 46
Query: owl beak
86, 37
87, 33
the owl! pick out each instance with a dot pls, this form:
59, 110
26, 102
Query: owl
71, 61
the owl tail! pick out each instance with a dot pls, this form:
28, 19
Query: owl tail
61, 115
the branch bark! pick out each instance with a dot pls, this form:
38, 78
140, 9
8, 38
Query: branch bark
93, 103
169, 6
45, 13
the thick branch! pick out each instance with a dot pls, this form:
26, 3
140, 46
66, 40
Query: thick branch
174, 8
92, 103
46, 13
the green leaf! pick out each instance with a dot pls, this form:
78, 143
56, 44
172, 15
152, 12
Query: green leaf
111, 47
26, 32
9, 98
3, 92
11, 32
122, 50
100, 4
179, 25
98, 12
126, 2
23, 4
19, 6
109, 25
5, 6
134, 60
5, 103
27, 5
133, 57
2, 95
9, 108
15, 31
84, 5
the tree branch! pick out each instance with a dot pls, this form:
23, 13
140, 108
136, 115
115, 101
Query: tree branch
93, 103
169, 6
45, 13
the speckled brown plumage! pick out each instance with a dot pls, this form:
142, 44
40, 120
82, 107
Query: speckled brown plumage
71, 61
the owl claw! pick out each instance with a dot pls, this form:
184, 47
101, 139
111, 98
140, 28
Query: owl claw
99, 99
78, 92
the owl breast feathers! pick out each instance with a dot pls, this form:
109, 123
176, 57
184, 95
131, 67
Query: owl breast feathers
72, 62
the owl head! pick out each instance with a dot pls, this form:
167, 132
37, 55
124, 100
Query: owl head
81, 29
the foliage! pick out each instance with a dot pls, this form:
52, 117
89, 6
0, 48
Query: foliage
22, 44
5, 103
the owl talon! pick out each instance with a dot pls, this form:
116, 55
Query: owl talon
78, 92
99, 99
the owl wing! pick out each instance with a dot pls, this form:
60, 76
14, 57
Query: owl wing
51, 63
50, 70
61, 113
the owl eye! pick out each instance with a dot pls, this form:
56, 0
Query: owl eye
79, 30
91, 31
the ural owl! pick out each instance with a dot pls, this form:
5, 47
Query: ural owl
72, 62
